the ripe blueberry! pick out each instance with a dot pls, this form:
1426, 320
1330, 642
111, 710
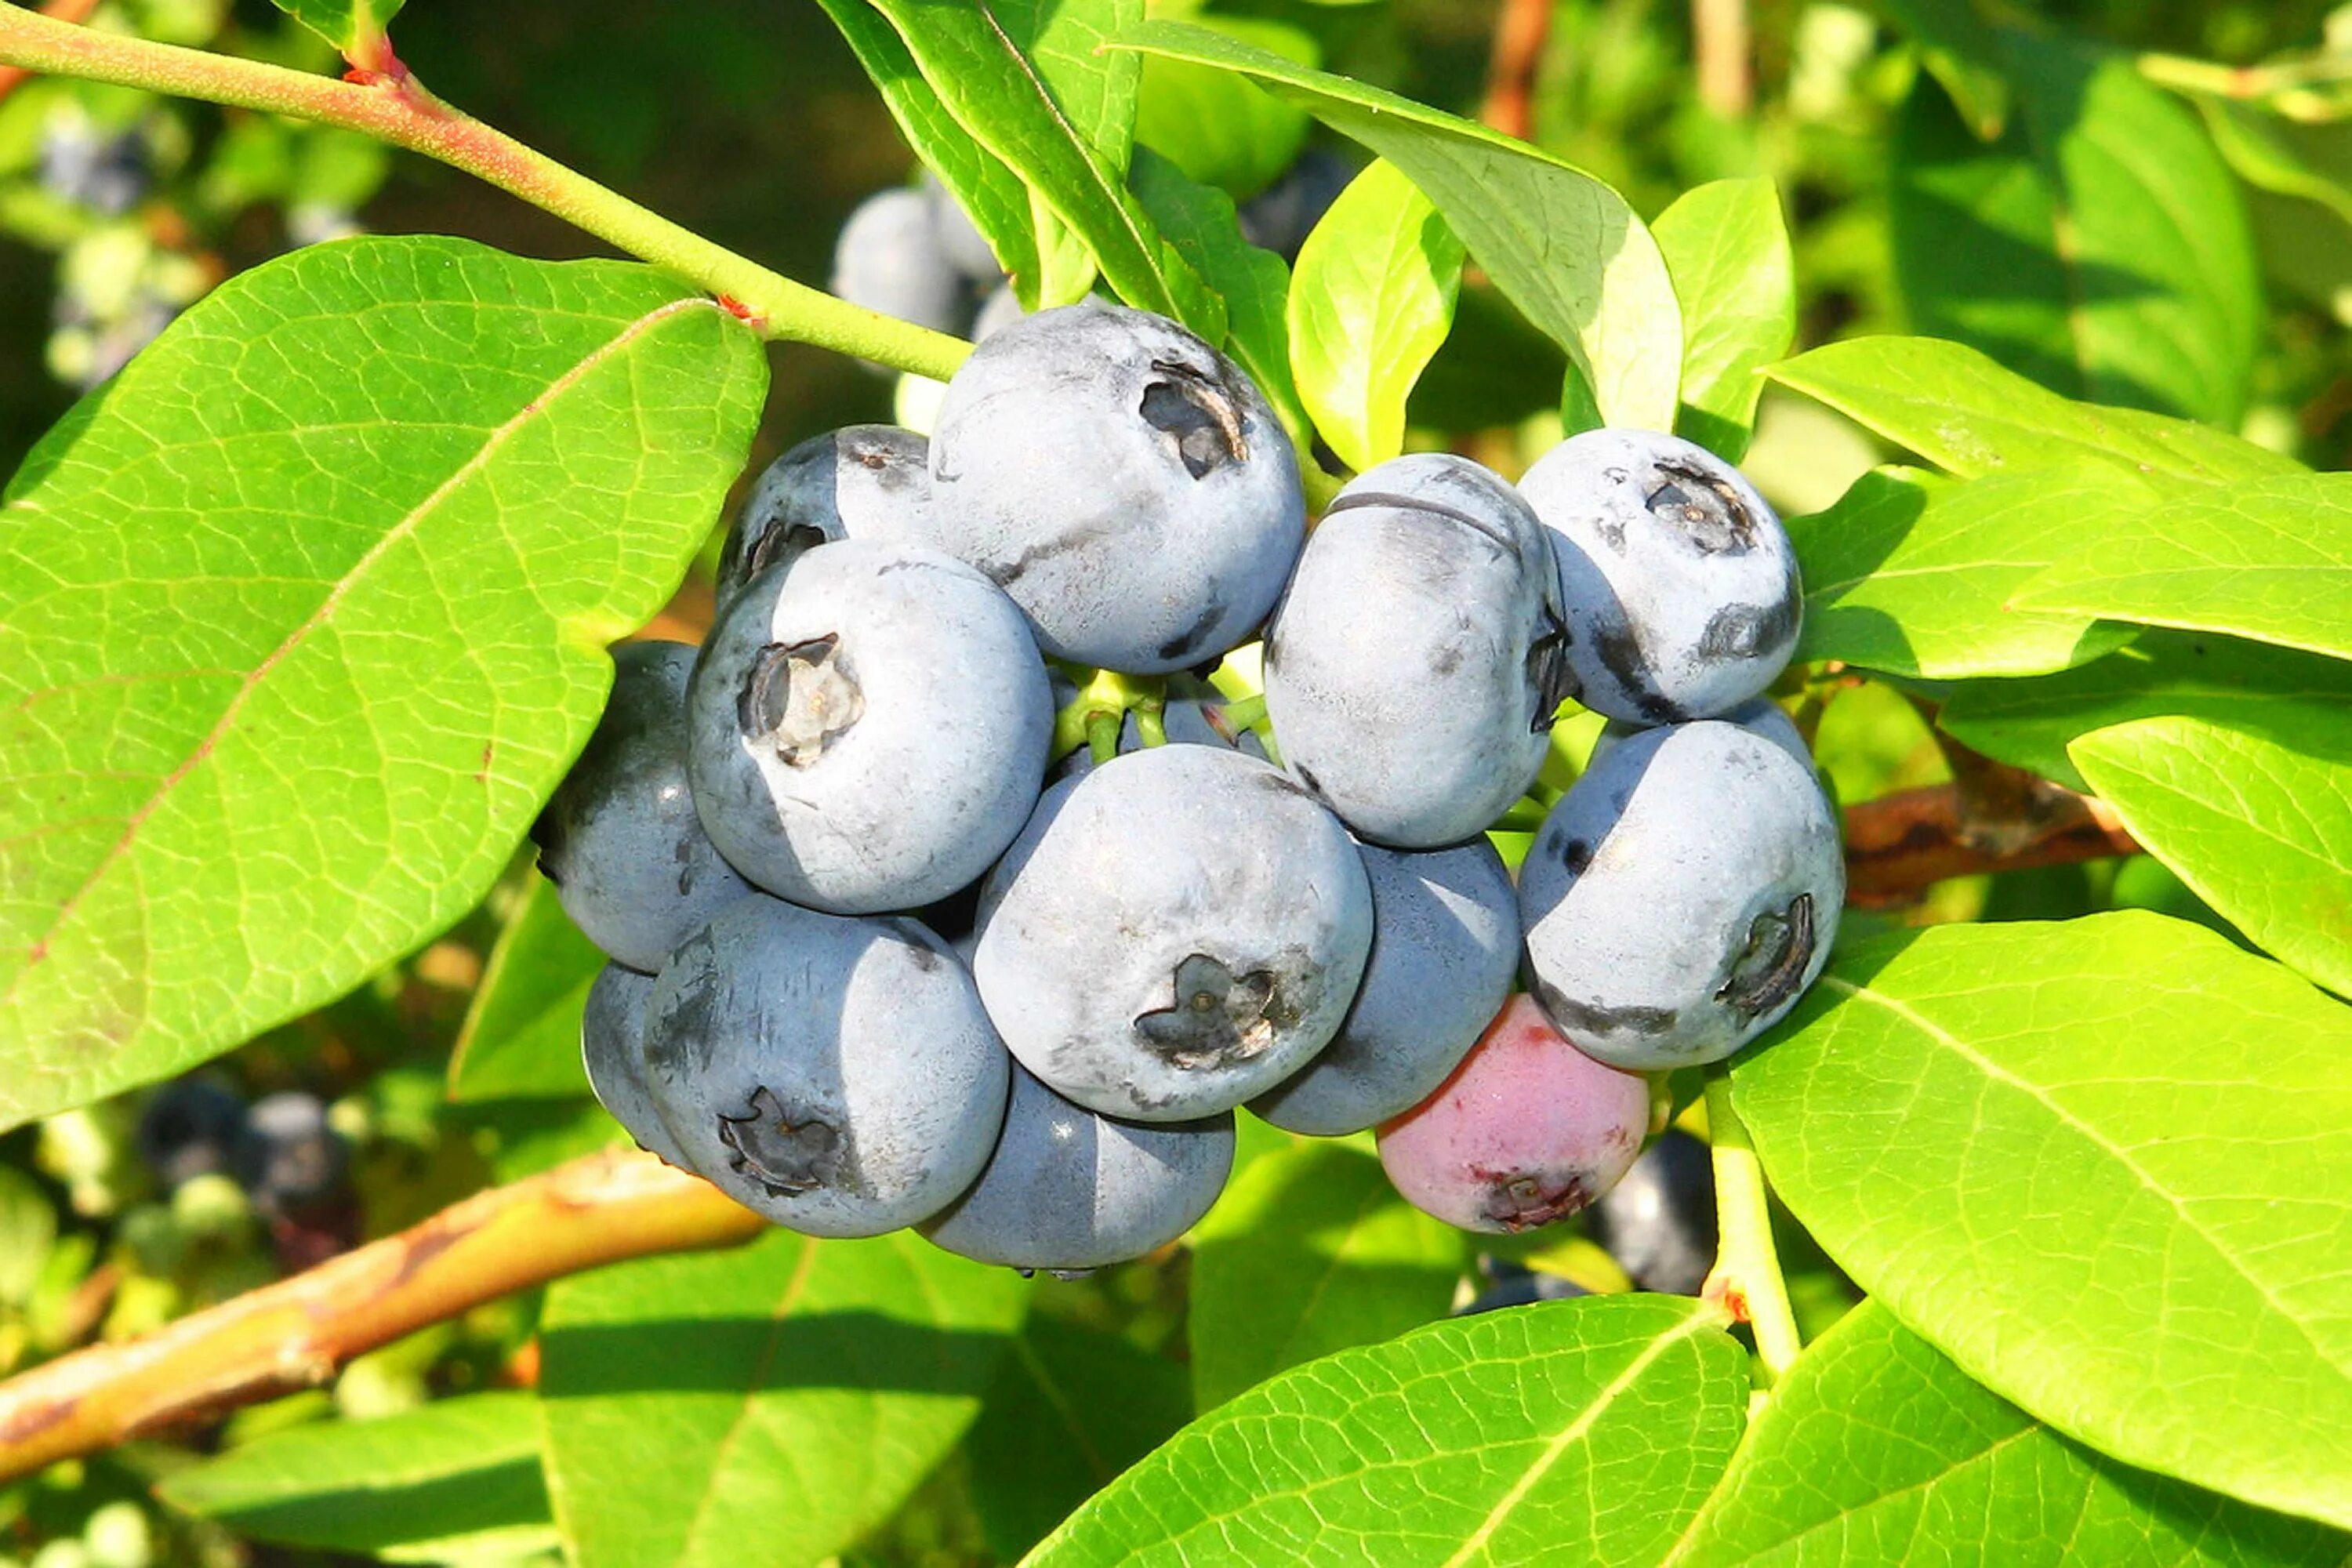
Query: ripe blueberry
1682, 896
870, 727
837, 1075
1123, 481
1181, 931
1445, 944
620, 838
1682, 589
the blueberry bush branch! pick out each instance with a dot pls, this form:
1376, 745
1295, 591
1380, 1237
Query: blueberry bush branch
599, 1209
1747, 1277
393, 105
1898, 845
13, 77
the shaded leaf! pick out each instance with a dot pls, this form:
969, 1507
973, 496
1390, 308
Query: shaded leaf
1961, 50
2099, 247
455, 1478
1964, 413
2270, 558
2274, 693
2106, 1166
302, 616
1199, 222
991, 193
1372, 297
1216, 126
1727, 247
1070, 1409
1911, 573
1567, 1432
1309, 1250
1562, 244
1055, 124
693, 1402
1875, 1449
2260, 829
521, 1033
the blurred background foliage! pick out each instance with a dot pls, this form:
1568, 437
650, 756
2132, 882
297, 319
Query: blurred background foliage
1904, 141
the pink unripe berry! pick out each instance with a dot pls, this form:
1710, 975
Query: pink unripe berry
1528, 1131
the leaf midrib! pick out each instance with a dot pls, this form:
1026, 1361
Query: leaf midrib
531, 409
1690, 1327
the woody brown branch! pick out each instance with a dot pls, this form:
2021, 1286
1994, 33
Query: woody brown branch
601, 1209
1994, 819
1521, 29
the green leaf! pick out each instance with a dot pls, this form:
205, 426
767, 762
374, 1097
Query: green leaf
1309, 1250
521, 1033
1054, 120
2273, 693
1216, 126
1565, 1432
1370, 300
783, 1398
1728, 248
1562, 244
2263, 151
1199, 222
303, 615
1070, 1409
991, 193
1962, 51
1875, 1449
1911, 573
2261, 830
354, 27
2100, 247
2270, 560
453, 1478
1966, 415
2104, 1164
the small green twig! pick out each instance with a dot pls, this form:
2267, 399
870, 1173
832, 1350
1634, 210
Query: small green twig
1747, 1276
394, 107
1094, 719
2310, 89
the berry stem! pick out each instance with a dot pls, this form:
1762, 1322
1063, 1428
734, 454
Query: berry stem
600, 1209
1747, 1276
396, 109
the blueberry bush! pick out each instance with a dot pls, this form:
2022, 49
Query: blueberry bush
1612, 824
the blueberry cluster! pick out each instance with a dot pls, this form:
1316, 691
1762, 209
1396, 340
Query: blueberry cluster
874, 967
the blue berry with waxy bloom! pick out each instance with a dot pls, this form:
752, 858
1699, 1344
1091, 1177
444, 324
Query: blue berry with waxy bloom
1418, 657
1680, 896
620, 838
1068, 1190
612, 1048
837, 1075
870, 727
862, 481
1445, 946
1683, 594
1179, 932
1123, 481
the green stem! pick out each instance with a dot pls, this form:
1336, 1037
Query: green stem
395, 107
1747, 1277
